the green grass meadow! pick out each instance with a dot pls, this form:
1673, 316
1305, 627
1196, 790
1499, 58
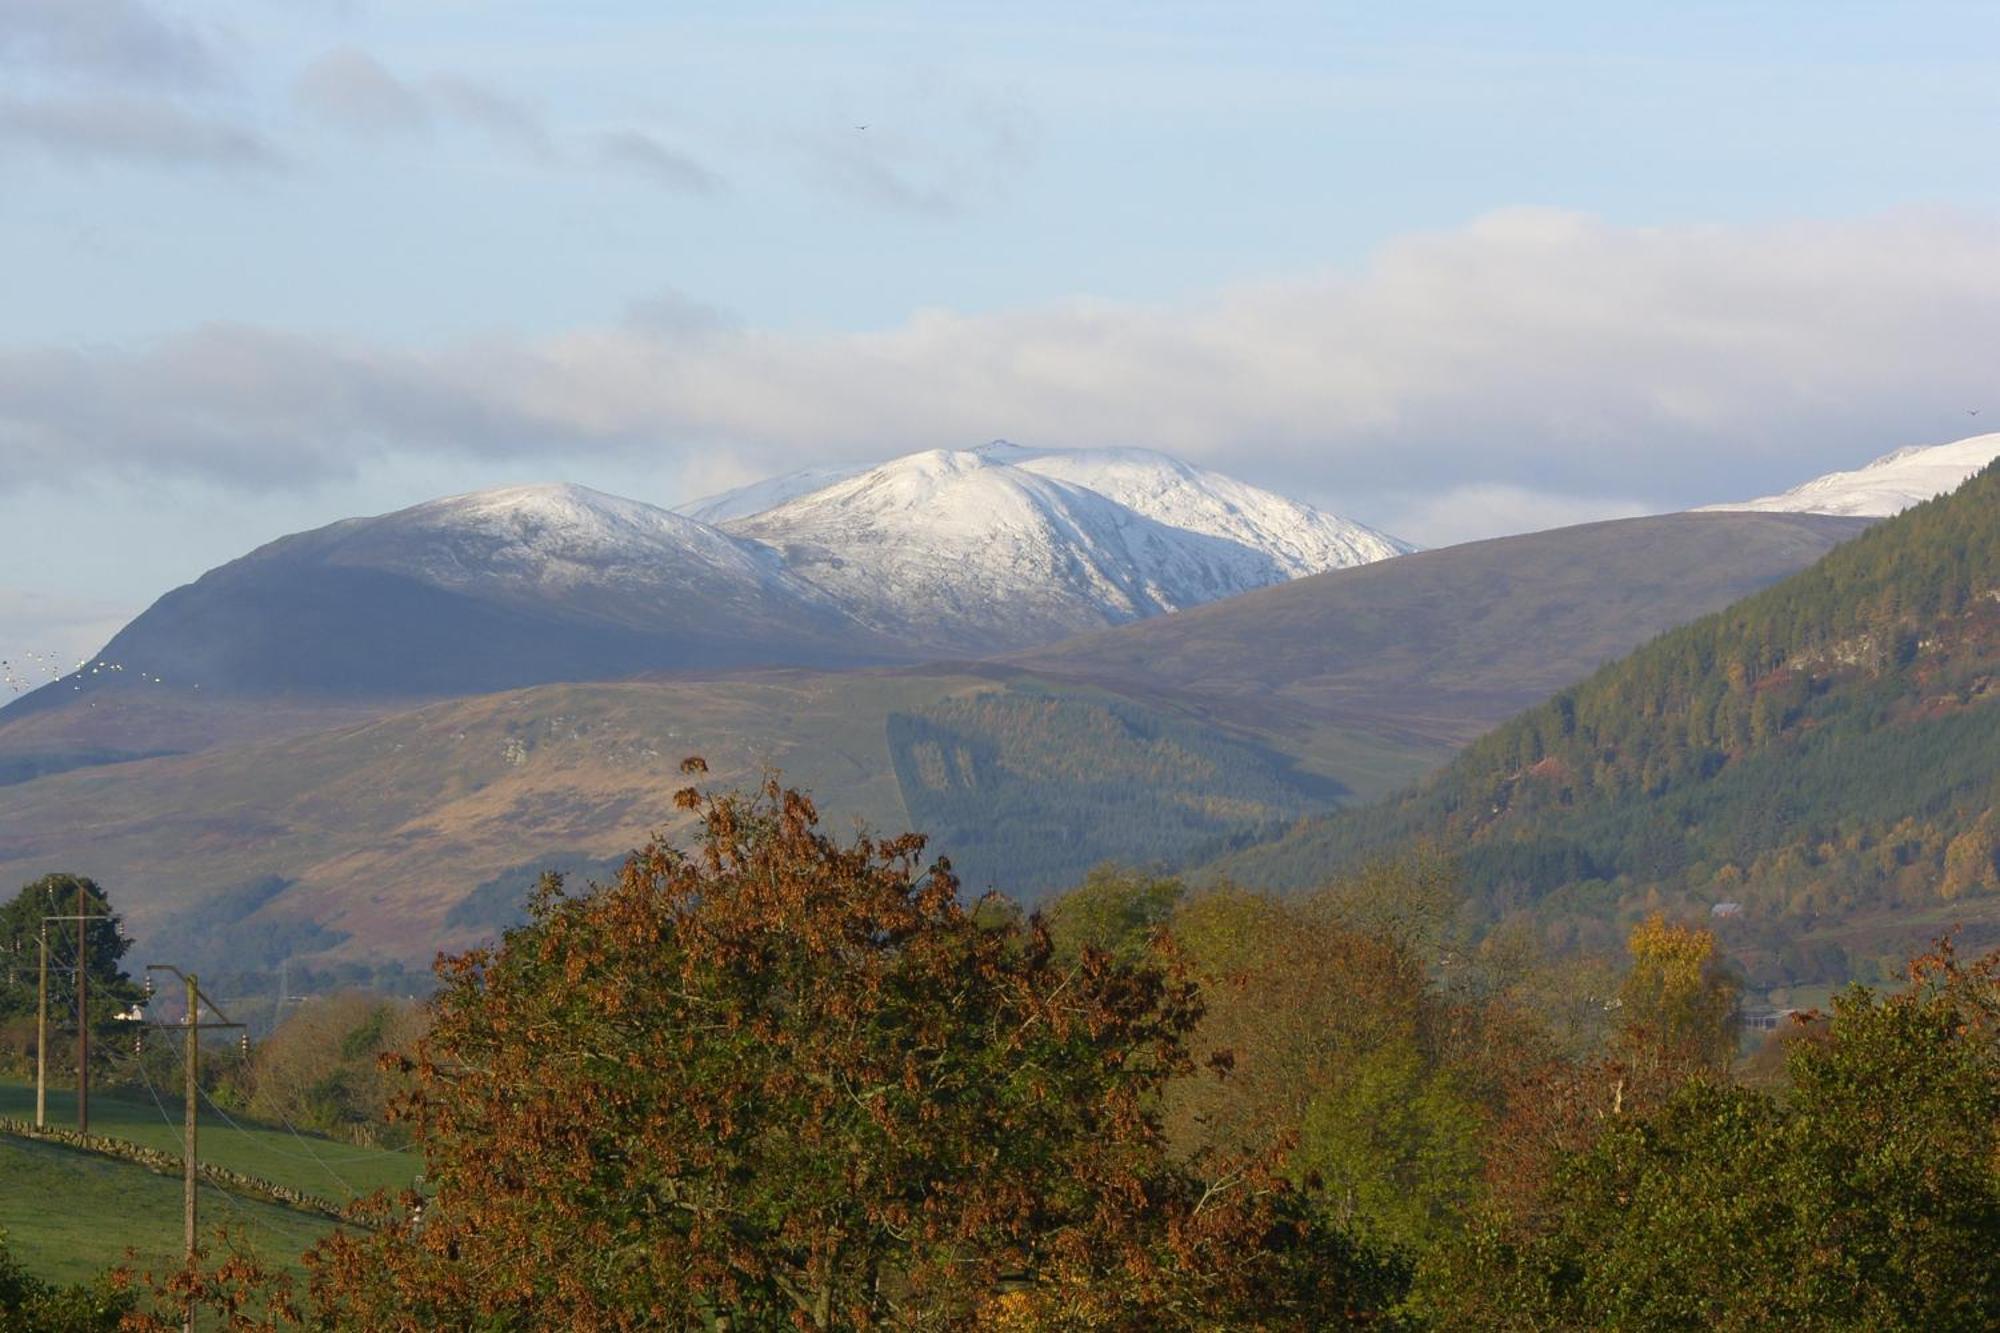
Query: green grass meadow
71, 1215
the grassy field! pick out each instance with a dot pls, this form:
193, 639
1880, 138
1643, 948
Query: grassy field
326, 1167
69, 1215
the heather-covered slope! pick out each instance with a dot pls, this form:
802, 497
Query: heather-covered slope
1430, 650
373, 840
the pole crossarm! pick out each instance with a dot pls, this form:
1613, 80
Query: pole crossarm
82, 971
194, 988
192, 1025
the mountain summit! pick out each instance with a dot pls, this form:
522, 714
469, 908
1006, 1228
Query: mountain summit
490, 590
1885, 487
947, 553
1001, 547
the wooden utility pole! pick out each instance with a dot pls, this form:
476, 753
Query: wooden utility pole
192, 1060
82, 1026
82, 1014
42, 1036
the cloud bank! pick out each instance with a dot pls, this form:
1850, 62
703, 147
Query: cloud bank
113, 39
145, 131
1577, 362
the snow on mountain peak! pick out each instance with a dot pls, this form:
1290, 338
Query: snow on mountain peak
1299, 538
1887, 486
1002, 545
551, 537
946, 551
755, 498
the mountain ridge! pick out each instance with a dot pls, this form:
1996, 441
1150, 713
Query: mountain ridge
1815, 768
1884, 487
381, 824
509, 586
981, 547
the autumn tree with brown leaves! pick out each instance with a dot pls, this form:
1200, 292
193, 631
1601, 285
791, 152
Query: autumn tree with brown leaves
781, 1082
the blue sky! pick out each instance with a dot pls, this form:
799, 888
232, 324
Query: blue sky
1452, 269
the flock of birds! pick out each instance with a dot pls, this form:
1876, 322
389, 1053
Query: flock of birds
31, 671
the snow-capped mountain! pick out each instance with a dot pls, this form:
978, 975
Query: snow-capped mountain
1001, 547
564, 541
1299, 538
1887, 486
758, 496
488, 591
937, 554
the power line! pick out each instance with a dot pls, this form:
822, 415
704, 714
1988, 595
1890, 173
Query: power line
247, 1220
352, 1193
361, 1152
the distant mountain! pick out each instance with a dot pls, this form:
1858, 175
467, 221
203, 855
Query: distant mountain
984, 550
480, 592
1299, 538
1889, 485
1165, 741
941, 554
1424, 653
1816, 769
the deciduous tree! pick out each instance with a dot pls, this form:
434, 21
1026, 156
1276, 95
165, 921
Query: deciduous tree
775, 1081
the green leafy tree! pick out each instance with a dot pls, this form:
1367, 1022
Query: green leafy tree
110, 991
1868, 1198
1395, 1148
1115, 909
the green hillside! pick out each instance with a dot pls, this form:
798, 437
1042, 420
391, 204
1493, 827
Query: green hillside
311, 1163
70, 1215
1815, 768
1027, 787
355, 844
1432, 650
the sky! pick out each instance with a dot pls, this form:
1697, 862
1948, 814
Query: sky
1449, 269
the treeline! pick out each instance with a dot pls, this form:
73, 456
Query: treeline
774, 1080
1030, 789
1824, 751
319, 1070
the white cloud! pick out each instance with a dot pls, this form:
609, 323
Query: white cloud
670, 314
509, 121
150, 131
654, 161
354, 91
115, 39
1588, 364
1495, 509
